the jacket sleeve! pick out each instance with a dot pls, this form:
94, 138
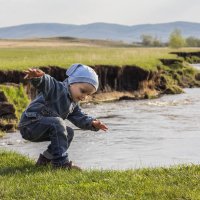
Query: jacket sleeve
50, 87
81, 120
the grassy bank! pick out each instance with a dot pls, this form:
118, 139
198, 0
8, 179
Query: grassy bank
22, 54
24, 57
15, 95
20, 179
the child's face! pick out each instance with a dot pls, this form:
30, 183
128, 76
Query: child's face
80, 91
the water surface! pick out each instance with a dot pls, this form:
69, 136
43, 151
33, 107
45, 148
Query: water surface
144, 133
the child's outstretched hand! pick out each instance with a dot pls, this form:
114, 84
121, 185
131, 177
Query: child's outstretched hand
99, 125
33, 73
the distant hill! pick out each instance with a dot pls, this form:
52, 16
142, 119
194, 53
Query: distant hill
103, 31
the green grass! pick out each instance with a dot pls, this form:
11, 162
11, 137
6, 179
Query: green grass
17, 96
2, 133
20, 179
178, 76
22, 54
24, 57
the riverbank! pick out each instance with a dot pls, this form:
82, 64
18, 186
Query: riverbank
116, 83
21, 180
150, 77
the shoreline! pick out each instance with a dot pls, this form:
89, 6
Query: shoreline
128, 82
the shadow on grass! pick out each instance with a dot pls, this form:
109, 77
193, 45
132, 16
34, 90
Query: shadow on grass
24, 169
12, 163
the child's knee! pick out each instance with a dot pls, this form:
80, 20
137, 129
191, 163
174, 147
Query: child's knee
57, 121
26, 133
70, 132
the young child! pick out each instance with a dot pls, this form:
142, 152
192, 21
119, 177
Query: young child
43, 119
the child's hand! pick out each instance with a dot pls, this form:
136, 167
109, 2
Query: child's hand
99, 125
33, 73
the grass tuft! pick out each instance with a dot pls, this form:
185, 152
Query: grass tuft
17, 96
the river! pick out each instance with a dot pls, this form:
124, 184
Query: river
144, 133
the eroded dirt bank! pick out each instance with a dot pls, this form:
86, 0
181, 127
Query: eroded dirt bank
116, 83
191, 57
112, 78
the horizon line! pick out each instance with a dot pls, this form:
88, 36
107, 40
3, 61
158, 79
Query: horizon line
33, 23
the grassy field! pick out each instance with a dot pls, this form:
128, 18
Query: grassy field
21, 55
20, 179
22, 58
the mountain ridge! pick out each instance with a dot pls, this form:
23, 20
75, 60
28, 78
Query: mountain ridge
100, 30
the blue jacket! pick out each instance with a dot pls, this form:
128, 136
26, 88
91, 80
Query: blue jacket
54, 100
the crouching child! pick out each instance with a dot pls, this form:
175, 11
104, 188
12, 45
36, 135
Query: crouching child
44, 118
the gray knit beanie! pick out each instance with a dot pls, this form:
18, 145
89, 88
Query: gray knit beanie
79, 73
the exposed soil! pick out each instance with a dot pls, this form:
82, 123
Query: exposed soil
116, 83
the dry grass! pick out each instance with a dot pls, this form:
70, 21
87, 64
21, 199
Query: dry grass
58, 42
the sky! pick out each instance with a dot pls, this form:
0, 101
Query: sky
127, 12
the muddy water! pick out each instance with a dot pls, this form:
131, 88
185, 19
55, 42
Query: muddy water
145, 133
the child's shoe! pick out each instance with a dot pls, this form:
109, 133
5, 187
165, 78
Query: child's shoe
68, 166
42, 161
